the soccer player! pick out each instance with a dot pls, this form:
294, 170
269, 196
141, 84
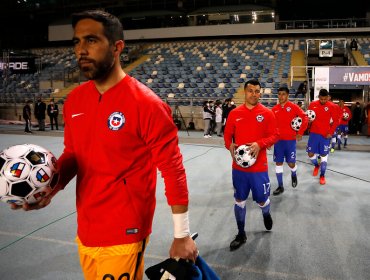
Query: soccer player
321, 131
255, 125
345, 117
286, 147
117, 133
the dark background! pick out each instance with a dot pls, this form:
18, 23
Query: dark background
25, 23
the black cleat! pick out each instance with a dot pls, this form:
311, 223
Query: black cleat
278, 191
294, 181
267, 220
239, 240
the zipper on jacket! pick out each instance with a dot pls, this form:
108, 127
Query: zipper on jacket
124, 181
100, 96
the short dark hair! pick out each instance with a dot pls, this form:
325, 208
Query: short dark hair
253, 82
285, 89
323, 92
113, 29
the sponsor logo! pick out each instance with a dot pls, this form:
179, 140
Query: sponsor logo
14, 65
132, 231
76, 115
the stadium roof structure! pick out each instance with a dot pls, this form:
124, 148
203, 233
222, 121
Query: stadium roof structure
229, 9
25, 22
150, 13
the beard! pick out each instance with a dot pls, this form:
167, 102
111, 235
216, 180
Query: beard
97, 70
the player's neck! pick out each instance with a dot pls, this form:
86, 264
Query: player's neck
114, 78
250, 106
283, 103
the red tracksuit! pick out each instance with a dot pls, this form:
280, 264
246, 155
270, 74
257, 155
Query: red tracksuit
284, 116
324, 113
252, 125
114, 143
343, 110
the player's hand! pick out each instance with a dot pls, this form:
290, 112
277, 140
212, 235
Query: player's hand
232, 149
299, 137
45, 201
184, 248
254, 149
329, 136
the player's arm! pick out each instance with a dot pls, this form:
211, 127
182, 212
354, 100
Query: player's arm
67, 169
272, 134
229, 134
160, 134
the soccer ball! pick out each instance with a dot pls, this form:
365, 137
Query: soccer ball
242, 156
345, 115
27, 173
296, 123
311, 115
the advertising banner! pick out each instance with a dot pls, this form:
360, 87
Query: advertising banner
19, 65
350, 75
321, 80
326, 48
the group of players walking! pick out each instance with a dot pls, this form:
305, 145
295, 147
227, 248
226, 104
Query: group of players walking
327, 124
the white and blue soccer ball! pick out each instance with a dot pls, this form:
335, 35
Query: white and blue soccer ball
27, 173
311, 115
345, 115
296, 123
243, 157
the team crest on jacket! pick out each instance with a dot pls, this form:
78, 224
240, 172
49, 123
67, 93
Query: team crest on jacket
326, 109
116, 121
259, 118
288, 109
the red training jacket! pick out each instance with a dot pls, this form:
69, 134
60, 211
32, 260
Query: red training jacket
343, 110
114, 143
284, 116
245, 126
326, 120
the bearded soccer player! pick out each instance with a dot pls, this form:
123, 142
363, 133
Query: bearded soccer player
321, 131
254, 125
286, 147
117, 133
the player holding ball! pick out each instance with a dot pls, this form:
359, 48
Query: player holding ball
286, 148
254, 125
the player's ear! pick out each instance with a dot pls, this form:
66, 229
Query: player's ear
119, 46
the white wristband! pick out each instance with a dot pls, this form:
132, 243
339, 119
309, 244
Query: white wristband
181, 225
